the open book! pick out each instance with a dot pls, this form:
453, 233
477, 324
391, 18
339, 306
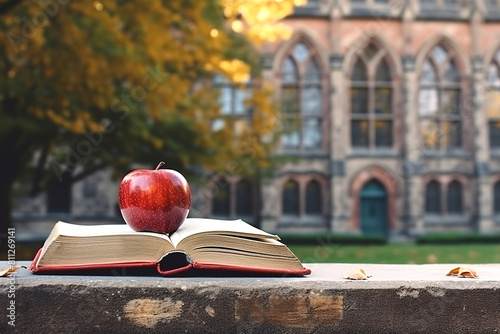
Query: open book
199, 243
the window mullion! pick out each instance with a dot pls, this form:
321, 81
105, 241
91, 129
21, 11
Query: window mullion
439, 119
444, 199
300, 91
371, 115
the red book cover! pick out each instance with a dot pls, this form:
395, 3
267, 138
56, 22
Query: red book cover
181, 269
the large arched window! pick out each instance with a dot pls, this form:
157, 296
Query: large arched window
439, 101
433, 198
454, 202
371, 100
291, 198
302, 100
493, 102
313, 198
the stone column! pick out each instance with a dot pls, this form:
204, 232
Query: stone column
340, 201
475, 111
410, 164
413, 194
269, 194
482, 197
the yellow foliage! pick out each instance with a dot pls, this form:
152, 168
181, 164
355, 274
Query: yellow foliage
257, 19
235, 69
139, 66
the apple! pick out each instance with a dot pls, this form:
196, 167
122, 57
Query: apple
154, 200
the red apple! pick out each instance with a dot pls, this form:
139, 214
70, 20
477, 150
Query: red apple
154, 200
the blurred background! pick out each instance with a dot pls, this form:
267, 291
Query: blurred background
358, 130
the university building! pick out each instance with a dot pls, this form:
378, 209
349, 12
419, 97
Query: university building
391, 112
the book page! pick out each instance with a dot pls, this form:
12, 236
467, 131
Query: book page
75, 245
74, 230
192, 226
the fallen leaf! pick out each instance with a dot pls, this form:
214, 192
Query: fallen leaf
8, 271
357, 274
463, 272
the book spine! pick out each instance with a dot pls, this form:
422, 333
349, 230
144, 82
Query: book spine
173, 271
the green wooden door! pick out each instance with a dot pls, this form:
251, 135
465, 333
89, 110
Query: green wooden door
373, 210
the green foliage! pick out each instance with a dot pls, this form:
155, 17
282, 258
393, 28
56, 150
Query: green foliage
458, 238
331, 239
399, 253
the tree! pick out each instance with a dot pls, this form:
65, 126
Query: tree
88, 85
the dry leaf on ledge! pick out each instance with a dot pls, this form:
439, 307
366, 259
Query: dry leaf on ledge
357, 274
463, 272
8, 271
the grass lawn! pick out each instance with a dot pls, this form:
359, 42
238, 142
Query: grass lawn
389, 253
398, 253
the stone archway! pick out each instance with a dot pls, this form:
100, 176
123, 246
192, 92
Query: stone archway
359, 181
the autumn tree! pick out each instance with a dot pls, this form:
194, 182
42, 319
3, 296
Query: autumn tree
86, 85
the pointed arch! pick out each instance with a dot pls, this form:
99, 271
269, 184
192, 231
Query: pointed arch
450, 45
360, 179
441, 95
491, 54
301, 36
372, 99
304, 94
391, 56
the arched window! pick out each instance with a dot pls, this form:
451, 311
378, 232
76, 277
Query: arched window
433, 198
235, 109
244, 198
439, 101
371, 100
291, 198
496, 198
313, 198
220, 202
493, 102
234, 198
454, 198
302, 100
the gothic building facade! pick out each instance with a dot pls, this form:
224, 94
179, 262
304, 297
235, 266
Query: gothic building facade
391, 112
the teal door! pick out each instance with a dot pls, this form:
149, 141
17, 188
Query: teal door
373, 210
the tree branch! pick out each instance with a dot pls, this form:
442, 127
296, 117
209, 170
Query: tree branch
87, 172
7, 6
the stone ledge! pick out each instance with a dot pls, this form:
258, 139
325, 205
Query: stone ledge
398, 298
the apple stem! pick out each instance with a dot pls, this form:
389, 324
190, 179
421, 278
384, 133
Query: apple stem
160, 164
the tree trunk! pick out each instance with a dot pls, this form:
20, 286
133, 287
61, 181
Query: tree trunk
5, 204
5, 209
7, 175
9, 168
